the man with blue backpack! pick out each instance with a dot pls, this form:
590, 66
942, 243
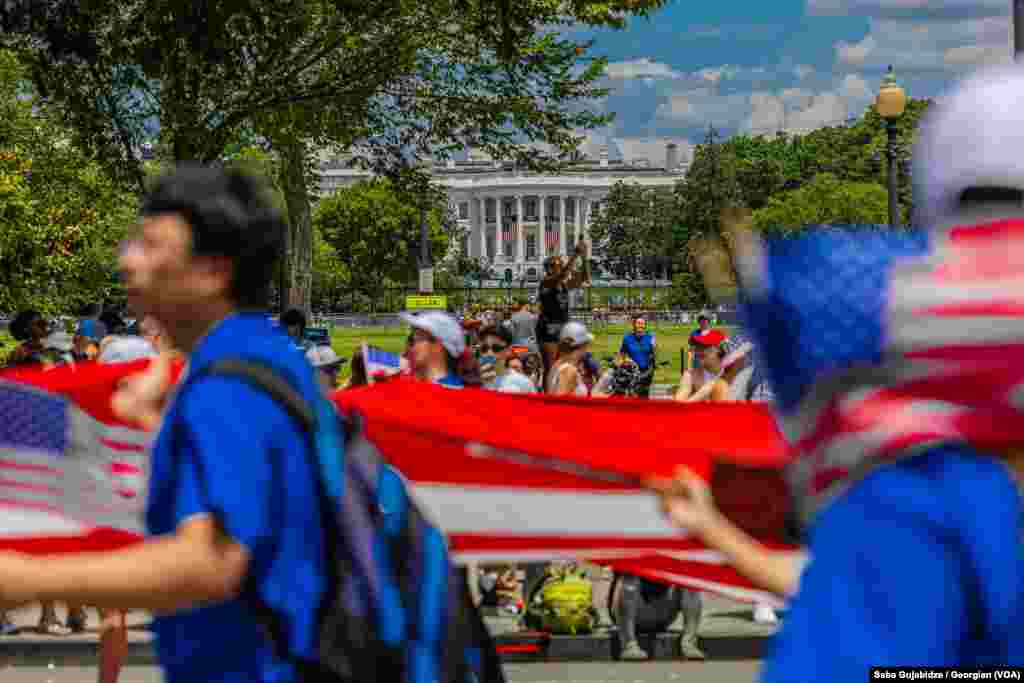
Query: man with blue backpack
282, 549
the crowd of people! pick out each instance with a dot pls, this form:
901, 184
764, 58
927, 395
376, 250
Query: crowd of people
915, 560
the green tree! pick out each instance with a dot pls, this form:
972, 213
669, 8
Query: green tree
403, 78
374, 232
825, 200
632, 230
61, 216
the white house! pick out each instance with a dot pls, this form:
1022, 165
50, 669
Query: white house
514, 219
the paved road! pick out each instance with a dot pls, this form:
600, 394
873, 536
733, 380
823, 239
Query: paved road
596, 672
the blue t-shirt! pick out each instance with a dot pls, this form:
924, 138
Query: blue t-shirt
639, 349
260, 484
919, 564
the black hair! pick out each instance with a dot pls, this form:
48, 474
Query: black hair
293, 316
500, 331
19, 327
703, 318
230, 215
114, 323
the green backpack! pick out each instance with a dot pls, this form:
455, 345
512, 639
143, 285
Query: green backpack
562, 603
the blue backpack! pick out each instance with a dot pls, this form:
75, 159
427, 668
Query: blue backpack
397, 609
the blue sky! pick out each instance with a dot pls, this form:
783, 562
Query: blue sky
762, 66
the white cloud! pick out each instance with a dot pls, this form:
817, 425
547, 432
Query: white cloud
639, 68
855, 88
930, 44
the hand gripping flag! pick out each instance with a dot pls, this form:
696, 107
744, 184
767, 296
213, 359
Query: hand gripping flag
561, 481
880, 343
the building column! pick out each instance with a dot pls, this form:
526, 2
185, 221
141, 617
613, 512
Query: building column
520, 227
476, 229
499, 239
577, 220
542, 235
562, 238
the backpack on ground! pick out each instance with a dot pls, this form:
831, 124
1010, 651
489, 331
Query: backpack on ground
562, 603
397, 610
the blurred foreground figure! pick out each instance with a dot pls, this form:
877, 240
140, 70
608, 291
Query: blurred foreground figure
897, 360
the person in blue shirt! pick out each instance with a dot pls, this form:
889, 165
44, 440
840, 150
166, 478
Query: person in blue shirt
915, 556
232, 511
640, 348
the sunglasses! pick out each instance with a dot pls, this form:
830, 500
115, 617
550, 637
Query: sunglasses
496, 348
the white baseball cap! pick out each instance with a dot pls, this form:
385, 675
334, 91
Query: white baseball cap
126, 349
576, 333
442, 327
974, 137
322, 357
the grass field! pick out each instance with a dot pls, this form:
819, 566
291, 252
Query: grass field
671, 338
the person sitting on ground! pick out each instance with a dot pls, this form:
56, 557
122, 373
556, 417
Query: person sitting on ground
643, 606
565, 378
494, 352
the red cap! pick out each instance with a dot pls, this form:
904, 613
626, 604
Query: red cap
708, 338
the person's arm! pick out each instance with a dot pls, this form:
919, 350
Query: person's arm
688, 503
223, 513
685, 386
197, 564
719, 391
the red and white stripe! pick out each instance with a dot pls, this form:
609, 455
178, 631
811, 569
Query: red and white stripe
954, 365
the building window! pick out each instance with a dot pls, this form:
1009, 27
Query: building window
531, 246
570, 209
463, 210
531, 274
531, 209
509, 210
510, 247
489, 210
490, 245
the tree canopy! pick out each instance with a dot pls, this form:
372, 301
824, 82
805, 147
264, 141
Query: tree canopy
373, 231
61, 217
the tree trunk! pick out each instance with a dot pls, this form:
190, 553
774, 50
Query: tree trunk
298, 248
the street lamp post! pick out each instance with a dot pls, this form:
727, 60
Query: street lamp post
891, 103
1018, 29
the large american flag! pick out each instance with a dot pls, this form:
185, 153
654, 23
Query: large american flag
882, 342
505, 476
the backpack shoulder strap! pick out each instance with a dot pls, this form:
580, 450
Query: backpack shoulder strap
269, 380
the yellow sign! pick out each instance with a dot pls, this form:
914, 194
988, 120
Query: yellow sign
424, 303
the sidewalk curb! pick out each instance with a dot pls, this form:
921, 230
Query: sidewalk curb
25, 651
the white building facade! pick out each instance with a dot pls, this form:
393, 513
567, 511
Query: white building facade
514, 219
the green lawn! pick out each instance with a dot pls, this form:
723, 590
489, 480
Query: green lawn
345, 341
